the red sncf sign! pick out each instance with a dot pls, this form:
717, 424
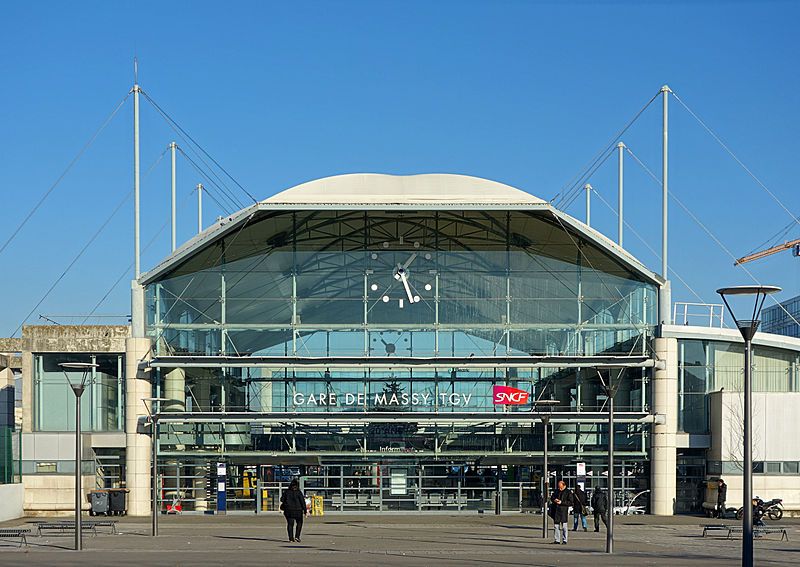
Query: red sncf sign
506, 395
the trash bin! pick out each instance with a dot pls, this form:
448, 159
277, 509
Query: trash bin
98, 502
117, 501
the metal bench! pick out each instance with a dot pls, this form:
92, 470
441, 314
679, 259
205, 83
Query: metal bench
16, 533
69, 525
761, 531
715, 528
102, 524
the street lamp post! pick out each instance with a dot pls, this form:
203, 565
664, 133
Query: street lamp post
608, 386
153, 416
548, 405
78, 389
748, 328
610, 507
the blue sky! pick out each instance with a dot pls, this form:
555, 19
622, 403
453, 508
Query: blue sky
280, 93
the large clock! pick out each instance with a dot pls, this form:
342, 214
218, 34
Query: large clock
401, 273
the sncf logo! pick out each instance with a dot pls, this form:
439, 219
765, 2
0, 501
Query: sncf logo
506, 395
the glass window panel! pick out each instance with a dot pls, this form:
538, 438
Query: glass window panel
102, 401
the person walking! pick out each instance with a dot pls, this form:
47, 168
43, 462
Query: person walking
560, 502
293, 505
599, 508
722, 494
579, 510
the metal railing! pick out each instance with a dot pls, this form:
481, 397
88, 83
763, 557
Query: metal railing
699, 314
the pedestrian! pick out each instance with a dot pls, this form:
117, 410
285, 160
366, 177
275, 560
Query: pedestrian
293, 505
579, 511
599, 508
560, 502
758, 512
722, 494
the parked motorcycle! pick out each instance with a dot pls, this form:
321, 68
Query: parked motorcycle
773, 509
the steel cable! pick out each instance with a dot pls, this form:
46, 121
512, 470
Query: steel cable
63, 174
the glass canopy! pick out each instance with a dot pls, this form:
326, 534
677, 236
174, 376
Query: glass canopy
399, 283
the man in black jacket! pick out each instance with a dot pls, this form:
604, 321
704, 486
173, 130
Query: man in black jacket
599, 508
559, 508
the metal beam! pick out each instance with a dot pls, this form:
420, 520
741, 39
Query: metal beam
354, 417
325, 362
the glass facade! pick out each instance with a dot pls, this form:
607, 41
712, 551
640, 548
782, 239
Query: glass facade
708, 366
782, 319
102, 403
404, 286
328, 283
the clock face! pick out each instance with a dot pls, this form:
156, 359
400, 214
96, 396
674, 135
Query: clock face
401, 273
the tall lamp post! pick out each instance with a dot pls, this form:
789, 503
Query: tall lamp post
748, 328
78, 388
547, 405
609, 388
153, 417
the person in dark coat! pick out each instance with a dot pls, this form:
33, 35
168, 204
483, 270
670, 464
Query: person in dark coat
579, 507
560, 502
722, 495
599, 508
293, 504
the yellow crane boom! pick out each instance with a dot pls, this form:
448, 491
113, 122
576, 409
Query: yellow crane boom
795, 244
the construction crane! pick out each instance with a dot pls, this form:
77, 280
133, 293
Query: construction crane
793, 244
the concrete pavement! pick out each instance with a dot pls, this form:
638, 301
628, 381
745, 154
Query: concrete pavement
395, 540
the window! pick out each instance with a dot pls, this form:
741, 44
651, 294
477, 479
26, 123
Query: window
791, 467
45, 467
773, 468
102, 403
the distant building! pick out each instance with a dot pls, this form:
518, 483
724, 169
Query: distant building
783, 319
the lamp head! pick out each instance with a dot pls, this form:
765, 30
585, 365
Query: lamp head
84, 367
748, 327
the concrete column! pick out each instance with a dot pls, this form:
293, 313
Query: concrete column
137, 454
137, 310
201, 402
175, 390
663, 466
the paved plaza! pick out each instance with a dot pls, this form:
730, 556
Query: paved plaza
344, 540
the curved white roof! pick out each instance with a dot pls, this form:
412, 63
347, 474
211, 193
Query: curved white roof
432, 191
374, 189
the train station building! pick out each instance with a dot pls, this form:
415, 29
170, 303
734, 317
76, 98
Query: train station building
400, 342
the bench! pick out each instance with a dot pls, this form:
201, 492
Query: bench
101, 524
761, 531
715, 528
16, 533
62, 527
69, 525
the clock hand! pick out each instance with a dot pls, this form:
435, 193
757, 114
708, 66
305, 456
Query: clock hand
411, 259
402, 275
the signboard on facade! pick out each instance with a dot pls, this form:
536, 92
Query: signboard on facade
506, 395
